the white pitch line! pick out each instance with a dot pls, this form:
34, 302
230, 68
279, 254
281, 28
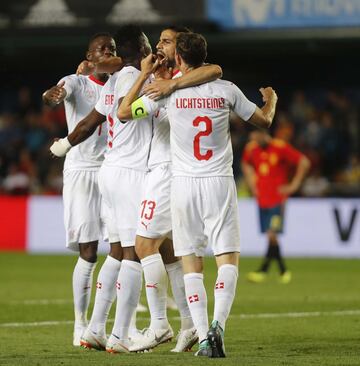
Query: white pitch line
238, 316
42, 302
297, 315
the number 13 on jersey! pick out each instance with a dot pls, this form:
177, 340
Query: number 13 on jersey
208, 129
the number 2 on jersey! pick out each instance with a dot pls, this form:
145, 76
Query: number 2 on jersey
208, 124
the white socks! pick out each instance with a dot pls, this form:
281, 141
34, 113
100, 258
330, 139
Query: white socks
224, 292
105, 294
82, 284
176, 276
156, 283
197, 301
128, 287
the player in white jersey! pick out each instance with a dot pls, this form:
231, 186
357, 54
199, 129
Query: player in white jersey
203, 193
155, 220
121, 180
155, 217
81, 196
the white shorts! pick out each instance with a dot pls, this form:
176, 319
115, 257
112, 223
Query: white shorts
83, 215
121, 189
204, 211
155, 216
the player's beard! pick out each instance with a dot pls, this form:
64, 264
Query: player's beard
169, 62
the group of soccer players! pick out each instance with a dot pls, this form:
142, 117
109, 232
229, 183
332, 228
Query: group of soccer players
147, 194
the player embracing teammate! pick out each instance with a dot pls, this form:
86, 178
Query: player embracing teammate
203, 193
130, 155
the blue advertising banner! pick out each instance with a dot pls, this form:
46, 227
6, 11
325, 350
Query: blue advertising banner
284, 13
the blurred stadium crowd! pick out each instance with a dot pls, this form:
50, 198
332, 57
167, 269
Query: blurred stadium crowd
323, 124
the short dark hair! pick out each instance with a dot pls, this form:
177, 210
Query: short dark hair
129, 41
178, 29
98, 35
192, 48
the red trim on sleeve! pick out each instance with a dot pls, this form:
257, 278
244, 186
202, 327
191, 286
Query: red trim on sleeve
97, 81
13, 226
175, 72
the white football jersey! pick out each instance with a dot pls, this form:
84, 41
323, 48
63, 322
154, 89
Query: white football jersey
199, 127
82, 93
160, 143
128, 142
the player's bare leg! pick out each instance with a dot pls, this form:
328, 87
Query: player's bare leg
82, 285
95, 335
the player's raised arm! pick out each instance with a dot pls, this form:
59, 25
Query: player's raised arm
84, 129
264, 116
107, 65
55, 95
203, 74
127, 109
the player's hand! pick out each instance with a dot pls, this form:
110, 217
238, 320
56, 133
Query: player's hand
60, 147
253, 191
56, 94
268, 93
86, 68
159, 88
287, 190
149, 64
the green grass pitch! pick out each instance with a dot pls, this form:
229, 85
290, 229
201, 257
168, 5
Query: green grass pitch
314, 320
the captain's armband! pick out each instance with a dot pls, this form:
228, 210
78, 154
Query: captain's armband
138, 109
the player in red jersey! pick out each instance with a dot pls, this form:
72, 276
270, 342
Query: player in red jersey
267, 164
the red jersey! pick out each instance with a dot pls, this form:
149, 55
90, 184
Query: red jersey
273, 164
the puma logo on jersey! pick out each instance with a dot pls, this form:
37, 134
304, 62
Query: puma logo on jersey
143, 223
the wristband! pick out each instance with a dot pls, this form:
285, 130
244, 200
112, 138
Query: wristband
61, 147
